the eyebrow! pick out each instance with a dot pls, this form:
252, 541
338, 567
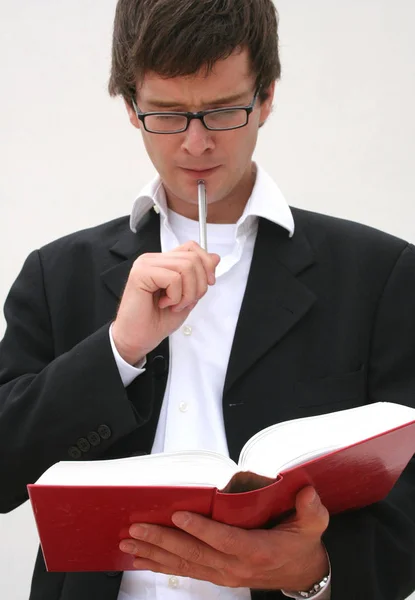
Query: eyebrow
213, 103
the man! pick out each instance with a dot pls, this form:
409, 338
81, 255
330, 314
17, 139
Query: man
289, 314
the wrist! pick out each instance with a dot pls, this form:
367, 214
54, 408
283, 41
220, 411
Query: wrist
310, 571
130, 355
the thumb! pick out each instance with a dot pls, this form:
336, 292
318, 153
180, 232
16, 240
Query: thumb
216, 259
312, 515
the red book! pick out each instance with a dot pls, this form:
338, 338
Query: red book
353, 458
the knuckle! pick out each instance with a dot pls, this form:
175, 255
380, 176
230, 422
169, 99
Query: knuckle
143, 258
241, 571
188, 267
175, 277
203, 291
235, 581
189, 246
145, 552
322, 519
140, 259
156, 537
261, 557
183, 567
194, 554
325, 520
229, 542
193, 245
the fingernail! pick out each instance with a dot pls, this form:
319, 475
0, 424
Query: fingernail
212, 279
127, 547
139, 531
177, 309
181, 519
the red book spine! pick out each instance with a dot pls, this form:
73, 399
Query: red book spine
345, 479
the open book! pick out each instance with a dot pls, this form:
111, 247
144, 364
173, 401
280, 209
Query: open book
352, 457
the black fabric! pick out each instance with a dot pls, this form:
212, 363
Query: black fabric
327, 322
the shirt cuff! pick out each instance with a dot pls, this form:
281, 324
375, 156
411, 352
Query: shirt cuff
127, 372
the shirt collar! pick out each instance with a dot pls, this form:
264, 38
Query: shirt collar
266, 201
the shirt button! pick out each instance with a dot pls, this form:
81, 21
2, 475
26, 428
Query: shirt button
174, 582
187, 330
183, 407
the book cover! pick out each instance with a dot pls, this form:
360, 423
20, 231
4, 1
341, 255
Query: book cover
80, 527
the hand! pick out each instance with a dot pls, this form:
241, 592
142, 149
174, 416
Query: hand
162, 289
291, 556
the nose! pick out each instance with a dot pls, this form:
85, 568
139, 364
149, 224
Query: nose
197, 139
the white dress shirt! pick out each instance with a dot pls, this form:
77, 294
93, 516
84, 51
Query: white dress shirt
191, 416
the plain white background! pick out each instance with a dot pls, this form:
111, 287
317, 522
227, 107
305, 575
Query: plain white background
341, 140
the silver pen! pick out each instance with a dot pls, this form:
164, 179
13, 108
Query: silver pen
202, 214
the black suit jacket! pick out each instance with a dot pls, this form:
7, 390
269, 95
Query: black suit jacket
327, 323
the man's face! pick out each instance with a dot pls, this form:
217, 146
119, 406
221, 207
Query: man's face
229, 153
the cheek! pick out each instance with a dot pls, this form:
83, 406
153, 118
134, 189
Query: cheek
160, 150
239, 150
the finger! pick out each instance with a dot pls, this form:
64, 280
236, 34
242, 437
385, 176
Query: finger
156, 554
311, 515
209, 261
189, 282
194, 571
190, 266
158, 278
224, 538
179, 544
195, 284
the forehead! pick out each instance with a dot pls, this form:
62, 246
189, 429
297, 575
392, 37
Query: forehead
228, 77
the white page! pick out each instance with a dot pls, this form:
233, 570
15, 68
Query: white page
267, 453
176, 468
294, 442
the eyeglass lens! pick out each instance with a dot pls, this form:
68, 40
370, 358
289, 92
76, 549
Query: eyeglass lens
218, 120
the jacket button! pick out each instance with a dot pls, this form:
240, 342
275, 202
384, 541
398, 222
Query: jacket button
93, 438
83, 444
74, 452
159, 366
104, 432
113, 573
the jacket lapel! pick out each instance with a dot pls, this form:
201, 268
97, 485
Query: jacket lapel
274, 301
128, 248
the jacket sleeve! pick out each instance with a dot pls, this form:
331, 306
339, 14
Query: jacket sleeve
372, 551
50, 405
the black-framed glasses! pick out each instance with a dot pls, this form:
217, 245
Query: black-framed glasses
217, 119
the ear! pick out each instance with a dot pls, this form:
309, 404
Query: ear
266, 106
131, 115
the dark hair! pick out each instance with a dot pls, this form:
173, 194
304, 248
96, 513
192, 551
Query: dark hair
180, 37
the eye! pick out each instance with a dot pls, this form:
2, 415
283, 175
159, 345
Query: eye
167, 117
225, 115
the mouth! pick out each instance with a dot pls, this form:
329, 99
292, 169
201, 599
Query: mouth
200, 174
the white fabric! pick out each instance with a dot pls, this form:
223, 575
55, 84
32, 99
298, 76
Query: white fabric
191, 416
127, 372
